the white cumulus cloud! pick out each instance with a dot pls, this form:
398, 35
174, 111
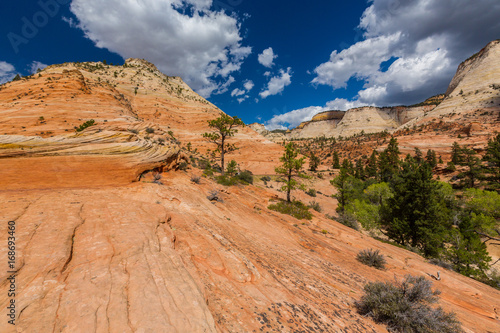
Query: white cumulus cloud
248, 85
266, 58
7, 72
181, 37
293, 118
422, 41
36, 65
277, 84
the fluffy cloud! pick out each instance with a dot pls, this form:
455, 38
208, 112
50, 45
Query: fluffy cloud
35, 65
266, 58
237, 92
182, 37
7, 72
294, 118
277, 83
425, 39
248, 85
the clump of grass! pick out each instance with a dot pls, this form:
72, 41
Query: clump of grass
371, 258
295, 208
195, 179
404, 307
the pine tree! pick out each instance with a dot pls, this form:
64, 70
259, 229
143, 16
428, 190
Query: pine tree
336, 160
313, 162
359, 171
492, 159
291, 168
417, 214
341, 182
469, 159
371, 168
389, 161
456, 153
419, 157
467, 253
431, 158
223, 128
232, 168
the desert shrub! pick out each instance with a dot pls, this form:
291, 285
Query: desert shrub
204, 164
441, 263
404, 307
311, 192
195, 179
371, 258
348, 220
320, 176
226, 181
157, 179
316, 206
265, 179
133, 131
214, 196
86, 124
150, 130
245, 176
295, 208
183, 166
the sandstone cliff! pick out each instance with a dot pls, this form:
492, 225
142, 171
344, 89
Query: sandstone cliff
97, 252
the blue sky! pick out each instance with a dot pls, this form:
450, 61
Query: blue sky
275, 62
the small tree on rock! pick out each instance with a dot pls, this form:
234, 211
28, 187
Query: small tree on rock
223, 127
291, 168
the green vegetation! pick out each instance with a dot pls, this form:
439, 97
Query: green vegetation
295, 208
86, 124
223, 127
402, 200
291, 167
371, 258
405, 307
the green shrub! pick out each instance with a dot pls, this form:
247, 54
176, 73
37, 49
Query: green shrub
404, 307
150, 130
311, 192
315, 205
295, 208
371, 258
86, 124
246, 176
183, 166
348, 220
226, 181
450, 166
265, 179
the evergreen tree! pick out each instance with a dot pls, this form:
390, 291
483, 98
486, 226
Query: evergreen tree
17, 78
291, 168
336, 160
417, 214
389, 161
419, 157
348, 187
431, 158
223, 127
469, 159
492, 159
467, 252
359, 171
232, 168
371, 168
456, 153
313, 162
